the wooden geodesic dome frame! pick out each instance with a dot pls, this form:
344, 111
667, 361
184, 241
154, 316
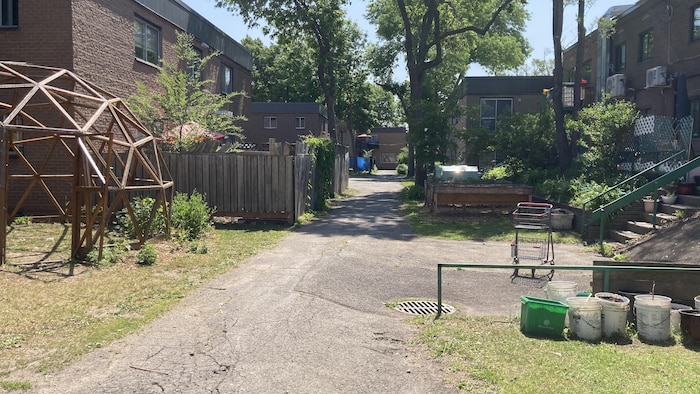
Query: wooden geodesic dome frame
108, 155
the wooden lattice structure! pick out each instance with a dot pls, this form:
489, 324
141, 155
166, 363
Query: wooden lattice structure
50, 115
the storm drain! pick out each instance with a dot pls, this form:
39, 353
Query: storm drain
423, 307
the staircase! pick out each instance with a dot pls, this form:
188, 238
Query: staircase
637, 223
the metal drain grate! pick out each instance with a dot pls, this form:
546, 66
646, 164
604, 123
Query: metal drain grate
423, 308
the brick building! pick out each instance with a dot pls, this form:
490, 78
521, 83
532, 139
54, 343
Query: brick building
389, 142
653, 43
113, 44
285, 122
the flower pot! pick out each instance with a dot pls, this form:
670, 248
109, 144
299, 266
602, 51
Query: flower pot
668, 199
648, 205
686, 188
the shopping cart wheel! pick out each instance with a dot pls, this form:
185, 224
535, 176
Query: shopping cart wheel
515, 271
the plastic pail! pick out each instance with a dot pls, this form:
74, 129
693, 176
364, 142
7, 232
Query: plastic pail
584, 317
613, 314
560, 290
653, 316
630, 294
697, 302
676, 315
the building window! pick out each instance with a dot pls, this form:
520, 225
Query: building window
646, 45
493, 110
270, 122
300, 122
8, 13
695, 34
226, 79
147, 41
695, 113
387, 157
621, 57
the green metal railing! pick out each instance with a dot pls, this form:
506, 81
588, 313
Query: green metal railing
605, 268
603, 212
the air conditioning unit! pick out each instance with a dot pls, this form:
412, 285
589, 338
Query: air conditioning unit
615, 85
656, 76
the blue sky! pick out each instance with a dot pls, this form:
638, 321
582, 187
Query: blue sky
538, 30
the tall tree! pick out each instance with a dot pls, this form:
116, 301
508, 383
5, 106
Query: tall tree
427, 31
283, 73
565, 157
321, 21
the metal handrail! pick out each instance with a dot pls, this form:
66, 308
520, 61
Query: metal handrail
605, 268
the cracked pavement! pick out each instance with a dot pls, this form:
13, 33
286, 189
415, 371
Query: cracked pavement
308, 316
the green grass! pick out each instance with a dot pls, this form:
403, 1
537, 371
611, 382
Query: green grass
491, 355
495, 225
50, 319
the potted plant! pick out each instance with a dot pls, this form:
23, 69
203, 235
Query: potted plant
648, 204
669, 198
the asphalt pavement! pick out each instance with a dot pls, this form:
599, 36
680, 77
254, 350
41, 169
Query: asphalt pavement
309, 315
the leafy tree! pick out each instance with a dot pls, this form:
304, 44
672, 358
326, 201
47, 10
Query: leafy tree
428, 32
186, 97
321, 22
281, 73
603, 126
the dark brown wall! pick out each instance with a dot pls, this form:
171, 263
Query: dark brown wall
286, 127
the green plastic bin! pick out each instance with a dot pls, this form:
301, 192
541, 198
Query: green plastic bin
542, 317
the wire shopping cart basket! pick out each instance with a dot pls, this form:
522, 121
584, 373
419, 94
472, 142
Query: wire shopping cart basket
533, 236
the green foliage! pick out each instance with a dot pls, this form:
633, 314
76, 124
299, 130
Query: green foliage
11, 385
402, 169
142, 207
147, 255
19, 220
602, 127
413, 192
323, 152
583, 191
402, 157
111, 254
187, 98
191, 216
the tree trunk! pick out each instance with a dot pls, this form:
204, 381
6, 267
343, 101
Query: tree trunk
578, 75
557, 104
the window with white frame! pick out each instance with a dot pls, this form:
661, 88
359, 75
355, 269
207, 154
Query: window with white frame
8, 13
300, 122
146, 41
494, 109
226, 79
270, 122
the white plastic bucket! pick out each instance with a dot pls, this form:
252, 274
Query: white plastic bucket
560, 290
653, 317
584, 317
676, 315
613, 314
697, 302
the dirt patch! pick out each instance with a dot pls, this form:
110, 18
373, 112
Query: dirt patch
677, 242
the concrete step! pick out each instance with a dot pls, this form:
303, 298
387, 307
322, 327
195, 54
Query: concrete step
661, 217
688, 200
672, 208
623, 236
639, 227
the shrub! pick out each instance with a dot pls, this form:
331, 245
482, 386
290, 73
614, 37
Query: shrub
402, 169
191, 215
110, 254
413, 192
147, 255
142, 207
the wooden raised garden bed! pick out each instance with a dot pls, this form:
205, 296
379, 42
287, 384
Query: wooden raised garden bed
450, 195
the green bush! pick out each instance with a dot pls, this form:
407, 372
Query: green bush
191, 215
147, 255
110, 254
402, 169
413, 192
142, 207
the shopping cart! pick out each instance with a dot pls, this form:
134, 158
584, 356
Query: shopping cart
533, 236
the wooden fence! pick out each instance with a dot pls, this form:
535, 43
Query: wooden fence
254, 185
